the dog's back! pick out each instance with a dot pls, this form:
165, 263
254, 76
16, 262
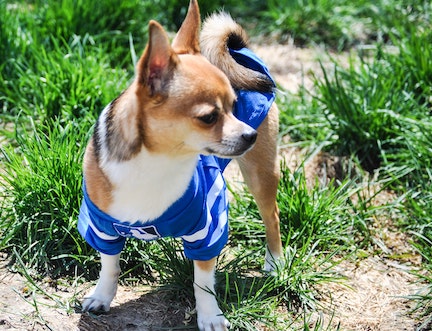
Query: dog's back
225, 44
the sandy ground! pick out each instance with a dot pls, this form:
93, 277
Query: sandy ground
373, 297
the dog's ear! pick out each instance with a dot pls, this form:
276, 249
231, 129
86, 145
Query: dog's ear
187, 39
156, 66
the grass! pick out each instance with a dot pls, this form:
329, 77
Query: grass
318, 225
339, 24
40, 175
63, 61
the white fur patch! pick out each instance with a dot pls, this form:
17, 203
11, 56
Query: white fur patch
145, 186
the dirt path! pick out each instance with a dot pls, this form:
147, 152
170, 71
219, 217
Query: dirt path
372, 298
134, 308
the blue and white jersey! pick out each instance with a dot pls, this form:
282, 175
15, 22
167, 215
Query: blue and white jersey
200, 216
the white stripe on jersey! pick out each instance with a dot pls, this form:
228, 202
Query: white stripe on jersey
212, 195
89, 222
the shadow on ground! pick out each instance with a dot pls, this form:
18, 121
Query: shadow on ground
156, 310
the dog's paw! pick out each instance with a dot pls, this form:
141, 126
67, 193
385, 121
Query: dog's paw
99, 299
213, 323
272, 262
96, 304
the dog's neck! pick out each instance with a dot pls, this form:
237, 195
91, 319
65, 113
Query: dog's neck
147, 185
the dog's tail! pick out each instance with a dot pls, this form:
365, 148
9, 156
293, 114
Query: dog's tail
221, 33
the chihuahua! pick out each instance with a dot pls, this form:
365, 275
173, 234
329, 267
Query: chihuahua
153, 167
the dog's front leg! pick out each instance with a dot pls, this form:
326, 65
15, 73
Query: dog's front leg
100, 298
210, 317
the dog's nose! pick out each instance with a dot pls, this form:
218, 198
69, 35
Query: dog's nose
250, 137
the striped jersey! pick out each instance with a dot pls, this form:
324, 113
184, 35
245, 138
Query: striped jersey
200, 216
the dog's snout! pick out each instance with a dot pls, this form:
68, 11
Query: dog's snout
250, 137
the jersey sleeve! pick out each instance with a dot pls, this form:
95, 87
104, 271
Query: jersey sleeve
97, 238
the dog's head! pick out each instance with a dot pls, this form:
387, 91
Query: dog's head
185, 103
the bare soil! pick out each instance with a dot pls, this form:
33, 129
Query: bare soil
373, 297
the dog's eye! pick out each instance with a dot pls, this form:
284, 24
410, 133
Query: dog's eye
209, 118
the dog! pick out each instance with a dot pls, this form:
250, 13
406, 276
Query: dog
153, 166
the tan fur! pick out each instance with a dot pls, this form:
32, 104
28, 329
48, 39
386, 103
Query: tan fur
207, 266
187, 38
260, 169
98, 185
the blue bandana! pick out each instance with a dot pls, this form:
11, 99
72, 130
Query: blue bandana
200, 216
